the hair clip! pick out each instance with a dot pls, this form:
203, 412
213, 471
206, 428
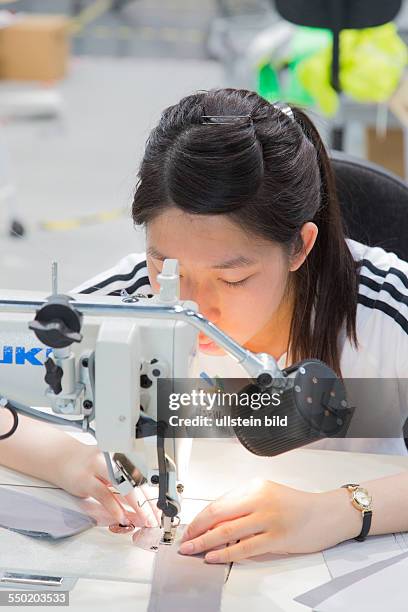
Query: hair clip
225, 119
284, 108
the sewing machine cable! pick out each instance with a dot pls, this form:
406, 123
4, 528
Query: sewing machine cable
44, 416
10, 408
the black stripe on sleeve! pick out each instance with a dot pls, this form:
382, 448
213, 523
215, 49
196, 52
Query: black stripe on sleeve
368, 264
141, 282
388, 287
386, 308
117, 277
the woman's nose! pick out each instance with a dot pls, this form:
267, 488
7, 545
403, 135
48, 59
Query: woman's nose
205, 297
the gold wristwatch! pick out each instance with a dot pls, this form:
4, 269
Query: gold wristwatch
362, 501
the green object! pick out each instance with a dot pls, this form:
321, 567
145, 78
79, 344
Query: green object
371, 64
268, 82
280, 81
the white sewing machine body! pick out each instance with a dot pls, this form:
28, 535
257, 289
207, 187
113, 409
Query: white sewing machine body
22, 355
125, 351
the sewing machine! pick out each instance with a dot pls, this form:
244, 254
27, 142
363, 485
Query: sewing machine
102, 358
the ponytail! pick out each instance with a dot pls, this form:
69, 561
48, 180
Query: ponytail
327, 283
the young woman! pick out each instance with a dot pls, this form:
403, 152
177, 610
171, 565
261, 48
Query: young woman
241, 192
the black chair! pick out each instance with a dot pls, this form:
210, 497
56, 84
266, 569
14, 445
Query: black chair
374, 203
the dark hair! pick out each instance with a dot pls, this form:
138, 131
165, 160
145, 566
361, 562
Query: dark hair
270, 173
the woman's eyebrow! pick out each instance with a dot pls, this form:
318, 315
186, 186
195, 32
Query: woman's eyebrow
236, 262
153, 252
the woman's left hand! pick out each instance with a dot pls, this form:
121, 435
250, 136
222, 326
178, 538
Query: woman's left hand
267, 517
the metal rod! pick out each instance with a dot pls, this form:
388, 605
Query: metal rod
252, 363
39, 415
54, 277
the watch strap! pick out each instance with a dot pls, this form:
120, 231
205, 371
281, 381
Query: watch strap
367, 515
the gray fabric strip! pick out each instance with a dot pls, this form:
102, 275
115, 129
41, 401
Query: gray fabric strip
34, 517
184, 583
316, 596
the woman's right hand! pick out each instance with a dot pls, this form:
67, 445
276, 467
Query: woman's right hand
83, 472
46, 452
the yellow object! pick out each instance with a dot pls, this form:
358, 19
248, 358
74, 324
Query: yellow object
62, 225
371, 64
90, 13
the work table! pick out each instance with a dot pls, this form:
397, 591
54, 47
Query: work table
111, 570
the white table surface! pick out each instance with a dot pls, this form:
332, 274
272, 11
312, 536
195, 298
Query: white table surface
114, 572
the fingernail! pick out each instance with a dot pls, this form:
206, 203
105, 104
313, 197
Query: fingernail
212, 557
124, 521
186, 548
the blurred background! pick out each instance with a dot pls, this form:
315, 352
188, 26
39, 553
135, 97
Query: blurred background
82, 82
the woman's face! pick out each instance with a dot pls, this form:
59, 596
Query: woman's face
237, 280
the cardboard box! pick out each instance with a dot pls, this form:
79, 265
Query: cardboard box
35, 48
387, 151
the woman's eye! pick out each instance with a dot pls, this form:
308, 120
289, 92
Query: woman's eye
236, 284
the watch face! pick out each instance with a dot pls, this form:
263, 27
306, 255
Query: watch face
362, 498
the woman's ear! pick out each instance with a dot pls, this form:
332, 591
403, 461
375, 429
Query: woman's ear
308, 235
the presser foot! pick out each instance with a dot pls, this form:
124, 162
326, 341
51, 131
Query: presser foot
168, 529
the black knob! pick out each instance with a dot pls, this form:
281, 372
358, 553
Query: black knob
53, 376
57, 323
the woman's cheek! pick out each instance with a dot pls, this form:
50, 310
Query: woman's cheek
253, 312
243, 317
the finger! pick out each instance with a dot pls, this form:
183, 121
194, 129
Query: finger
138, 517
151, 498
223, 534
137, 500
250, 547
105, 481
143, 514
109, 501
222, 509
101, 469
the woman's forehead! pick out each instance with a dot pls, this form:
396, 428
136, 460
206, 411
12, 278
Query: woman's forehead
176, 220
208, 240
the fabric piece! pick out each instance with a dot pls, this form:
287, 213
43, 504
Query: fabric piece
182, 583
383, 590
320, 594
33, 517
350, 555
148, 538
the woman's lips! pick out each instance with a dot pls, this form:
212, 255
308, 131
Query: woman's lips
209, 346
205, 341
